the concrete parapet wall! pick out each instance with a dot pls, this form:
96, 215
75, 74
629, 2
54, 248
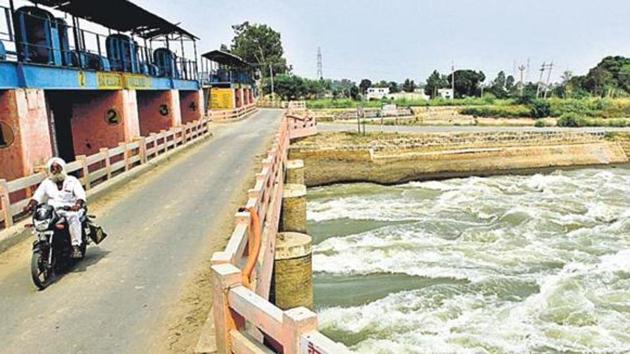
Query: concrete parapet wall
442, 157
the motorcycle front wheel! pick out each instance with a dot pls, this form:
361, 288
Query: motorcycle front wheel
40, 271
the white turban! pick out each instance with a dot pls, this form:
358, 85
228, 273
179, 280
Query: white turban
58, 161
57, 178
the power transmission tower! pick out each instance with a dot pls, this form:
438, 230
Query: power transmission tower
320, 66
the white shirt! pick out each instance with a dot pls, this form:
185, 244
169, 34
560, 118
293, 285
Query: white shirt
72, 190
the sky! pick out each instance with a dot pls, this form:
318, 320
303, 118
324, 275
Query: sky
399, 39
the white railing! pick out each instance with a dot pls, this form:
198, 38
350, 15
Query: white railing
100, 167
232, 114
243, 316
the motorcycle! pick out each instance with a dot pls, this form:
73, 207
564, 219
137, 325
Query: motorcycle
52, 248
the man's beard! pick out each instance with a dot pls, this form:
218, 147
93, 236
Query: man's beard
58, 177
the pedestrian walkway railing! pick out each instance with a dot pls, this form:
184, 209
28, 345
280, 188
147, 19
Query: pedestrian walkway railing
301, 125
296, 106
267, 103
232, 114
99, 168
245, 321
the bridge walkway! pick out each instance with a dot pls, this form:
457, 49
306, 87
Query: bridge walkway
163, 228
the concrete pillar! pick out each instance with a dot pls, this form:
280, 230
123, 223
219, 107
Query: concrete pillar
292, 284
25, 142
158, 110
246, 96
295, 172
191, 105
103, 119
293, 218
238, 94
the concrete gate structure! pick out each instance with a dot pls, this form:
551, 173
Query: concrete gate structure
64, 99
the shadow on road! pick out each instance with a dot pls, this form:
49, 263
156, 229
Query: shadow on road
92, 257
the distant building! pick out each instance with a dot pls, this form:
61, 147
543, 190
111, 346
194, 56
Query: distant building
447, 94
377, 93
411, 96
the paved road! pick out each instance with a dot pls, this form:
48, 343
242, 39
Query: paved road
352, 127
117, 298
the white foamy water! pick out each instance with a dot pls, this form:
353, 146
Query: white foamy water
513, 264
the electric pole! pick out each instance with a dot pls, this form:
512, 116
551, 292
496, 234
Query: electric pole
543, 87
550, 67
453, 78
521, 84
271, 78
540, 80
320, 66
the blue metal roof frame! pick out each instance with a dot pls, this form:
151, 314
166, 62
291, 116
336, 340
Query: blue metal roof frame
119, 15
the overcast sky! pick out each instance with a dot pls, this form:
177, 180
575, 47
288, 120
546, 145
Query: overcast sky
396, 39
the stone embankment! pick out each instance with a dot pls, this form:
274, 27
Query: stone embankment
398, 158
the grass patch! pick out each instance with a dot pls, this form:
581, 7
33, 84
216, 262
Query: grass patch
498, 111
576, 120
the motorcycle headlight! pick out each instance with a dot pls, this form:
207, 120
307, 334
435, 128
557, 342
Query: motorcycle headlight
42, 225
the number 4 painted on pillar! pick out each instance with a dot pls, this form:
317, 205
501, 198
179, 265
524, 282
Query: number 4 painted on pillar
164, 110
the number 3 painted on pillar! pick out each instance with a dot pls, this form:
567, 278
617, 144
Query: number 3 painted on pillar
164, 110
193, 106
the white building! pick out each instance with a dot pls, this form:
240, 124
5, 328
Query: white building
377, 93
447, 94
411, 96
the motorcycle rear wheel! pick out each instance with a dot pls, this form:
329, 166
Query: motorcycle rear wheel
40, 271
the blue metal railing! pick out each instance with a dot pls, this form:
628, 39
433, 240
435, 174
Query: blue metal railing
79, 48
226, 76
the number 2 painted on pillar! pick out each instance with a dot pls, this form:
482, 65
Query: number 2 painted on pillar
112, 117
164, 110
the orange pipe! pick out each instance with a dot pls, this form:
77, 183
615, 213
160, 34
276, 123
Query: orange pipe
254, 246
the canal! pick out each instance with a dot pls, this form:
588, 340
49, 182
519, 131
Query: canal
507, 264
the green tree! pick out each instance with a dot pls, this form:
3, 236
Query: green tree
467, 82
261, 45
510, 83
434, 82
409, 86
393, 87
610, 75
498, 86
365, 85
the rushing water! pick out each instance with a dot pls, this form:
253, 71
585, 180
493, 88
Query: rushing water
511, 264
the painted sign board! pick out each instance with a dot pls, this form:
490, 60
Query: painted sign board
109, 81
134, 81
222, 98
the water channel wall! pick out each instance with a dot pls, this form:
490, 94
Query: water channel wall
396, 158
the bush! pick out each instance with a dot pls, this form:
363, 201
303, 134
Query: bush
540, 109
495, 111
540, 123
571, 120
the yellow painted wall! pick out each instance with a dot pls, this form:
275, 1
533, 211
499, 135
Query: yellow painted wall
222, 98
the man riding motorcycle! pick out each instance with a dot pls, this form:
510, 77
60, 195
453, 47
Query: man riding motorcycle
66, 194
